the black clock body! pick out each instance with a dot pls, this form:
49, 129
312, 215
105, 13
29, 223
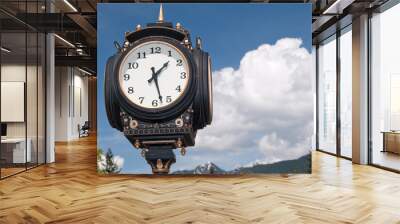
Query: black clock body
175, 125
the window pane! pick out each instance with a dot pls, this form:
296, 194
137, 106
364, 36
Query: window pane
314, 73
41, 98
31, 97
22, 88
14, 153
385, 88
346, 92
327, 95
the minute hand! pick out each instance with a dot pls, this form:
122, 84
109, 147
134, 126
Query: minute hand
158, 72
156, 81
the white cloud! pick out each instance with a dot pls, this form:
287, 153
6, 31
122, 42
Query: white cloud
119, 161
265, 105
275, 148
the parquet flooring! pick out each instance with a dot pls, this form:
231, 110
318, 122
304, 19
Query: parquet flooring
10, 171
70, 191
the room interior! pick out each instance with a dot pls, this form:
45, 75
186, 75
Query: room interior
48, 92
336, 86
23, 76
25, 103
22, 101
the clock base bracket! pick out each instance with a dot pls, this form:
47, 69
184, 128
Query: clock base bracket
160, 158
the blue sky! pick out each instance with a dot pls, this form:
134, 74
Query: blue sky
228, 31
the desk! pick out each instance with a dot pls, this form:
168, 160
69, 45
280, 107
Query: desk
13, 150
391, 142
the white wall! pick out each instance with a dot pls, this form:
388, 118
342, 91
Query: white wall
71, 102
13, 100
80, 109
33, 126
16, 73
12, 73
61, 103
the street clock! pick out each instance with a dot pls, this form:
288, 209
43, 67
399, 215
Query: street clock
158, 91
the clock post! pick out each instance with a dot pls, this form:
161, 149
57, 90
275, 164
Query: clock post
158, 91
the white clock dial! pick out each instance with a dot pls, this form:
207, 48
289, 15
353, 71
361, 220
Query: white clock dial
154, 75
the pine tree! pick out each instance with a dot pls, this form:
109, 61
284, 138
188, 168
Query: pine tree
99, 154
110, 166
100, 164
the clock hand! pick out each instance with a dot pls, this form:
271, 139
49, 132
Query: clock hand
164, 66
154, 76
158, 89
158, 72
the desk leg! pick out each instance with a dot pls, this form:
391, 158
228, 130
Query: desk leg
384, 142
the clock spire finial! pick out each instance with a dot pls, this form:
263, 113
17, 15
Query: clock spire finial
161, 15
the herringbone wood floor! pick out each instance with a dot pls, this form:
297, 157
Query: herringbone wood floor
70, 191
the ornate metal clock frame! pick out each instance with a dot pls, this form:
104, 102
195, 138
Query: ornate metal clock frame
156, 123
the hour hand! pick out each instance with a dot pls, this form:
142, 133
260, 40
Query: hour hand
158, 72
153, 74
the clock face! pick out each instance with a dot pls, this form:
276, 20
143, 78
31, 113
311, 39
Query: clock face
154, 75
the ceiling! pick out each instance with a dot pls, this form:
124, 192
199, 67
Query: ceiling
75, 21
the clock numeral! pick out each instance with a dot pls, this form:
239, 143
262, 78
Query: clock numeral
169, 54
179, 62
133, 65
126, 77
169, 99
178, 89
141, 99
155, 50
154, 103
141, 55
130, 90
183, 75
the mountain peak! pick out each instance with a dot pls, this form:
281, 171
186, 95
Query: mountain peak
206, 168
300, 165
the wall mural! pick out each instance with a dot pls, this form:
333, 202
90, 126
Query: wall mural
210, 89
